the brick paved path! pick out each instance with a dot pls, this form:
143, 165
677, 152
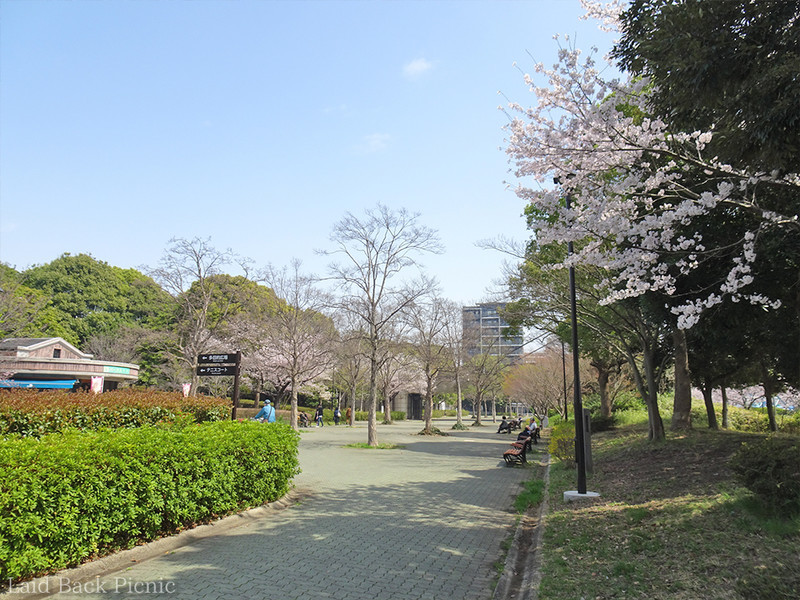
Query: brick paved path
425, 522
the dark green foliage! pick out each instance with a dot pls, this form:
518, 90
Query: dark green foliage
728, 63
731, 66
598, 421
90, 297
66, 498
770, 468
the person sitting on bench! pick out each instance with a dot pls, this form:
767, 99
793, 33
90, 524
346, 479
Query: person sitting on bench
527, 435
535, 431
505, 426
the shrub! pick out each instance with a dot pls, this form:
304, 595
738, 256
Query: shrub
753, 420
628, 401
770, 468
32, 413
600, 423
397, 415
756, 420
562, 442
67, 497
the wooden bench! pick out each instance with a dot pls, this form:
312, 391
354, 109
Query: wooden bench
515, 454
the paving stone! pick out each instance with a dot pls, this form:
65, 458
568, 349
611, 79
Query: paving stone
423, 522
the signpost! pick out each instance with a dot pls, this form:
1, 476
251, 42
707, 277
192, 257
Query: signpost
214, 370
217, 358
223, 364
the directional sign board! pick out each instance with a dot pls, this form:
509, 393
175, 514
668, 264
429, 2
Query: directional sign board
216, 358
211, 370
221, 364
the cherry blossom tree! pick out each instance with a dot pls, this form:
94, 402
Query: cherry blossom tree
300, 339
644, 197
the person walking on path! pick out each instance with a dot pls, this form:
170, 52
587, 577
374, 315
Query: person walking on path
318, 415
347, 414
337, 415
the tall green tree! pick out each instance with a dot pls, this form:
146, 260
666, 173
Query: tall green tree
727, 64
24, 311
90, 297
731, 66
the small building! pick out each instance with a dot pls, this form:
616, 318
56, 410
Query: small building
54, 363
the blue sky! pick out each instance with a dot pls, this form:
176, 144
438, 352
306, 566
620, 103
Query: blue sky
258, 124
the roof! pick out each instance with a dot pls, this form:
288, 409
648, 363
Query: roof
14, 343
36, 343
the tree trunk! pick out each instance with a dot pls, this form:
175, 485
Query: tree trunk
682, 403
353, 405
603, 376
656, 431
372, 421
293, 418
428, 407
458, 402
478, 406
767, 383
725, 423
195, 381
708, 398
387, 409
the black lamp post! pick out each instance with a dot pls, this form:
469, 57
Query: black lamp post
564, 369
580, 449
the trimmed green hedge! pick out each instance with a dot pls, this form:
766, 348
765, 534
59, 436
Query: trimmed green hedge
68, 497
36, 413
397, 415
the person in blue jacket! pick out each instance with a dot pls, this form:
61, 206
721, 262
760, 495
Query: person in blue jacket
267, 413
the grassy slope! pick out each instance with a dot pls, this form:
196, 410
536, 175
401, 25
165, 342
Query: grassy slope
671, 523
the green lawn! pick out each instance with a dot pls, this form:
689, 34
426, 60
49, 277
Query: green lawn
671, 523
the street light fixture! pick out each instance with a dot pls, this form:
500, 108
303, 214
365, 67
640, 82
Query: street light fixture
580, 448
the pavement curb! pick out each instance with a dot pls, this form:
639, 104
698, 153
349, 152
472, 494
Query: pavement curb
521, 572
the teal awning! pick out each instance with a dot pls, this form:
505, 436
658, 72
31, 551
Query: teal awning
49, 384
